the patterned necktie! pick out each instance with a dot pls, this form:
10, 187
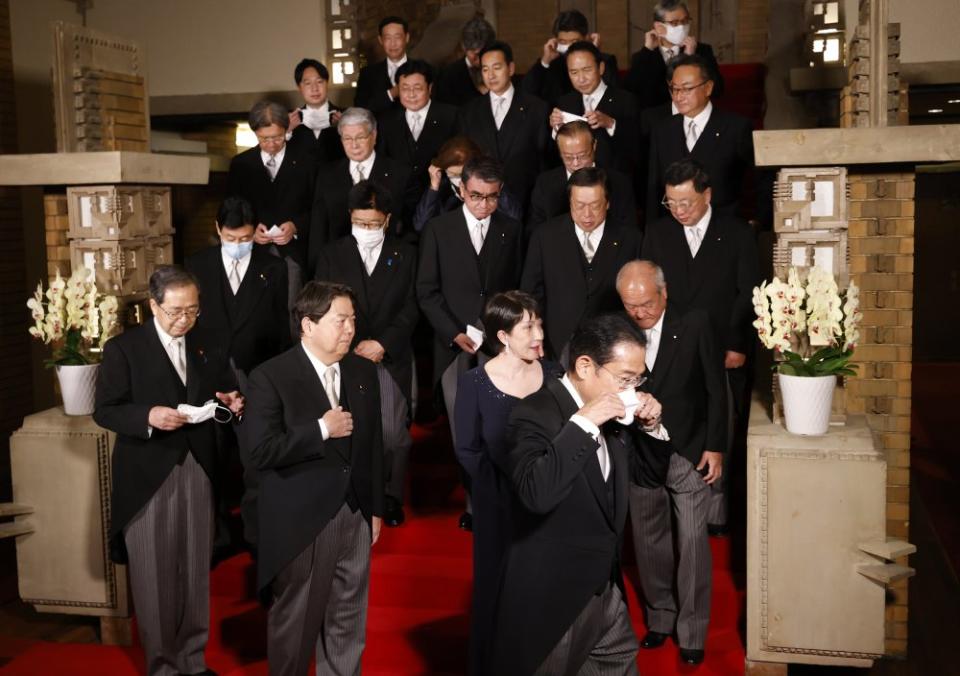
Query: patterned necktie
692, 135
179, 362
235, 277
694, 238
588, 249
330, 385
359, 174
271, 165
415, 125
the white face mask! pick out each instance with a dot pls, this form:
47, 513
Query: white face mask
631, 402
455, 182
562, 49
199, 414
677, 34
367, 238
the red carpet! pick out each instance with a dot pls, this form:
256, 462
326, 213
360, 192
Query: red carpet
419, 595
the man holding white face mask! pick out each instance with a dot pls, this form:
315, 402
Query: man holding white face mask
669, 38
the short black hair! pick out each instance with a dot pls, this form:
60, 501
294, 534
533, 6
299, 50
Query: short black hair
415, 67
310, 63
695, 60
483, 167
571, 21
387, 20
587, 177
170, 277
498, 46
598, 336
315, 299
684, 170
370, 195
584, 46
503, 312
235, 212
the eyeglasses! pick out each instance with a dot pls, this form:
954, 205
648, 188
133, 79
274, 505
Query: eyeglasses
579, 157
677, 91
368, 225
177, 315
674, 205
477, 197
271, 139
678, 22
355, 139
625, 382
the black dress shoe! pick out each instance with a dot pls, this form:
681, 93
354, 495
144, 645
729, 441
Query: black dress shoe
691, 656
466, 521
718, 530
653, 639
206, 672
393, 512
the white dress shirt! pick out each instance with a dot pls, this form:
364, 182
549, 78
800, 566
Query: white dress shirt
591, 101
366, 165
507, 97
699, 122
370, 256
321, 370
423, 119
653, 342
392, 70
596, 235
695, 233
242, 265
476, 238
278, 159
603, 455
176, 349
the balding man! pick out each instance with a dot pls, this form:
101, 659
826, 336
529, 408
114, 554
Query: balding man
686, 376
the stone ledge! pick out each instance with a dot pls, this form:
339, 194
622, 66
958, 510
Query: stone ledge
97, 168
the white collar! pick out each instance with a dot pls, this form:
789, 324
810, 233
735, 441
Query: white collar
673, 108
469, 65
507, 96
165, 338
596, 235
702, 224
701, 119
597, 93
658, 327
318, 365
264, 157
567, 383
367, 165
471, 219
228, 262
397, 64
423, 112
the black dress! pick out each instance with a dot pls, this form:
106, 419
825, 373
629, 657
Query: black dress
482, 412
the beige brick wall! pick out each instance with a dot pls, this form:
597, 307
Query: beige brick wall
750, 42
57, 224
525, 26
881, 243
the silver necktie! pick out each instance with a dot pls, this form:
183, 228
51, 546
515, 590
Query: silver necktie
499, 113
330, 385
179, 362
588, 249
692, 135
271, 165
694, 240
478, 237
359, 174
415, 126
235, 277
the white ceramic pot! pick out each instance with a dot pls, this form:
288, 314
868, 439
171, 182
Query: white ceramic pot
807, 403
77, 386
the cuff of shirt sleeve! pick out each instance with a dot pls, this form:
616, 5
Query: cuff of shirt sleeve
613, 128
545, 65
389, 95
324, 432
586, 425
658, 432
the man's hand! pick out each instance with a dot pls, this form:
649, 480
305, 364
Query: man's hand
232, 400
649, 411
464, 343
335, 118
595, 39
436, 175
689, 45
376, 523
556, 118
260, 235
339, 422
370, 349
166, 418
603, 408
651, 39
287, 230
295, 120
734, 360
713, 461
549, 51
598, 120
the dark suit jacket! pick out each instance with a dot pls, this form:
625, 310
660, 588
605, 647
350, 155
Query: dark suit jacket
724, 148
620, 150
454, 84
688, 381
254, 323
649, 118
550, 199
520, 144
395, 141
719, 280
568, 288
305, 480
330, 218
567, 526
454, 283
551, 83
287, 198
386, 305
136, 375
647, 77
323, 148
372, 85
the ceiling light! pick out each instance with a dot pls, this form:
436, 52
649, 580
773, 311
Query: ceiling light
935, 110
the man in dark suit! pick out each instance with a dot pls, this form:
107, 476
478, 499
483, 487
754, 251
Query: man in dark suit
686, 377
711, 262
377, 83
719, 140
278, 181
508, 125
610, 112
547, 78
561, 607
573, 259
313, 434
313, 127
330, 219
460, 81
162, 506
466, 256
668, 39
412, 134
380, 269
577, 149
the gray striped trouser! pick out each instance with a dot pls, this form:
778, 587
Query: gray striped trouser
169, 543
396, 436
686, 496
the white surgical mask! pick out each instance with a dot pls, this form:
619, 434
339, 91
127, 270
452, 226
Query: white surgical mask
631, 402
677, 34
367, 238
237, 250
199, 414
454, 180
562, 49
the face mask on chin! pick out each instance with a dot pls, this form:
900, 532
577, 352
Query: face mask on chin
677, 34
237, 250
368, 238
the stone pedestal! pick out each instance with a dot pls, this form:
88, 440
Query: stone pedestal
61, 468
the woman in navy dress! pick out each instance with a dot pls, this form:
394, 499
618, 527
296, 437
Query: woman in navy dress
486, 396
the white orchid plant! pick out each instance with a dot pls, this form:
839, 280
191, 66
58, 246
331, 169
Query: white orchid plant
74, 318
811, 325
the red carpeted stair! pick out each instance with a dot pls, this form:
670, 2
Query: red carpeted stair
419, 595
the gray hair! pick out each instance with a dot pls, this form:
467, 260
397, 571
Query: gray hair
661, 8
169, 277
354, 115
477, 33
641, 266
265, 113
